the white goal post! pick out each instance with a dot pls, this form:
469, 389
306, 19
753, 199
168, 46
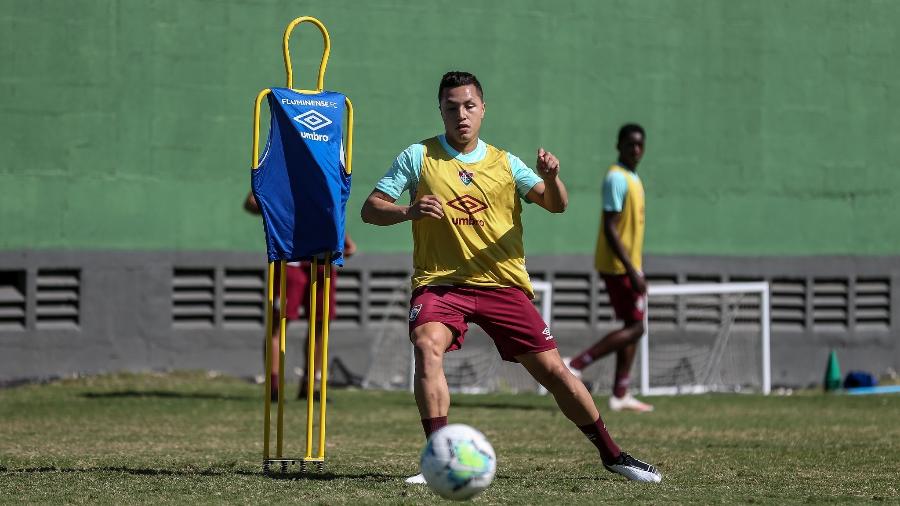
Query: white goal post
721, 340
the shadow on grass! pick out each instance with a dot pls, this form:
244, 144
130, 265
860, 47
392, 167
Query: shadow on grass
323, 476
164, 394
472, 402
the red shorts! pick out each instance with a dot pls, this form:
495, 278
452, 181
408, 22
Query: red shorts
506, 314
298, 291
627, 303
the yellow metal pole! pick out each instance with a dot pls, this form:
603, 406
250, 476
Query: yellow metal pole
282, 317
326, 295
270, 285
311, 354
320, 82
349, 167
254, 160
268, 347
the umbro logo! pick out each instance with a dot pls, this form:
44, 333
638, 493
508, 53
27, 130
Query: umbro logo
467, 204
547, 335
414, 312
313, 120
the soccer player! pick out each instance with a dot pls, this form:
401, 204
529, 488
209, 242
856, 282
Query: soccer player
618, 260
469, 262
297, 294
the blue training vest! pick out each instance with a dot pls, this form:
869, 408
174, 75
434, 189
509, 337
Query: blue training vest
301, 184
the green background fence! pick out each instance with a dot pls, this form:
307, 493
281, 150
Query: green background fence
772, 125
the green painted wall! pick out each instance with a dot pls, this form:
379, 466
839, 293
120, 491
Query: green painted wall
772, 126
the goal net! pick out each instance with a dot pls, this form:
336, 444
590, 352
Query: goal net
706, 337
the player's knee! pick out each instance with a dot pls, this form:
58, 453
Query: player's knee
553, 376
636, 329
428, 345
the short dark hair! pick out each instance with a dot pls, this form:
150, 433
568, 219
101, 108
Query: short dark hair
630, 128
455, 79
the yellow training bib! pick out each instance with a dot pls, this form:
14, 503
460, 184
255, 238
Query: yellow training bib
630, 229
479, 240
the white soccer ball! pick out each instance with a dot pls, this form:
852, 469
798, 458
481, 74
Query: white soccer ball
458, 462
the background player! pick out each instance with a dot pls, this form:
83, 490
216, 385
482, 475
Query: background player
469, 262
618, 260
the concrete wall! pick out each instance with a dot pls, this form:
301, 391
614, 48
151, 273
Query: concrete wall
772, 125
64, 312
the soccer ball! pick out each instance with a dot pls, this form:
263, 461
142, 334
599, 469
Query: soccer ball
458, 462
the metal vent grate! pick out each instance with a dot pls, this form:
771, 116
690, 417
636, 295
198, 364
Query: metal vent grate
873, 304
244, 303
12, 300
388, 296
702, 311
348, 305
788, 304
57, 298
830, 299
193, 298
572, 299
747, 305
662, 311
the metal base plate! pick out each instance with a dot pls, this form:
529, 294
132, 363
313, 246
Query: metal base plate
284, 464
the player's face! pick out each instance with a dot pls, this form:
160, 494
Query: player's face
631, 149
462, 111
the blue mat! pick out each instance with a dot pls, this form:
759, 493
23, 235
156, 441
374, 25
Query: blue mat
886, 389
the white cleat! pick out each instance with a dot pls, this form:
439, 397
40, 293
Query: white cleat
634, 469
575, 372
418, 479
628, 403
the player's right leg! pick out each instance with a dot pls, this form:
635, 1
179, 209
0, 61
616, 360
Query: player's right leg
430, 385
436, 324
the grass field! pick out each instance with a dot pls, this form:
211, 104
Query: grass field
190, 438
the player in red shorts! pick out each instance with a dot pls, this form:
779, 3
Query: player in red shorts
618, 260
297, 294
469, 262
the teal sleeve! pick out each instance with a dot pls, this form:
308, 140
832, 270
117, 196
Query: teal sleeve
404, 173
524, 177
615, 187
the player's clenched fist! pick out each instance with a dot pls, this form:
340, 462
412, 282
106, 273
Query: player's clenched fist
547, 164
428, 205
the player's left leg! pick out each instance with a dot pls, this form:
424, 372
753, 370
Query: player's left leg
616, 340
576, 403
521, 335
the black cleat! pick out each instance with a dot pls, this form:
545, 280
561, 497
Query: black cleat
634, 469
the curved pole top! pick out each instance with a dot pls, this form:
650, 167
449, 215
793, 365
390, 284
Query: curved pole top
320, 83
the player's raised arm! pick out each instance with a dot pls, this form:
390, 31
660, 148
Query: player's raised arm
380, 209
550, 193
